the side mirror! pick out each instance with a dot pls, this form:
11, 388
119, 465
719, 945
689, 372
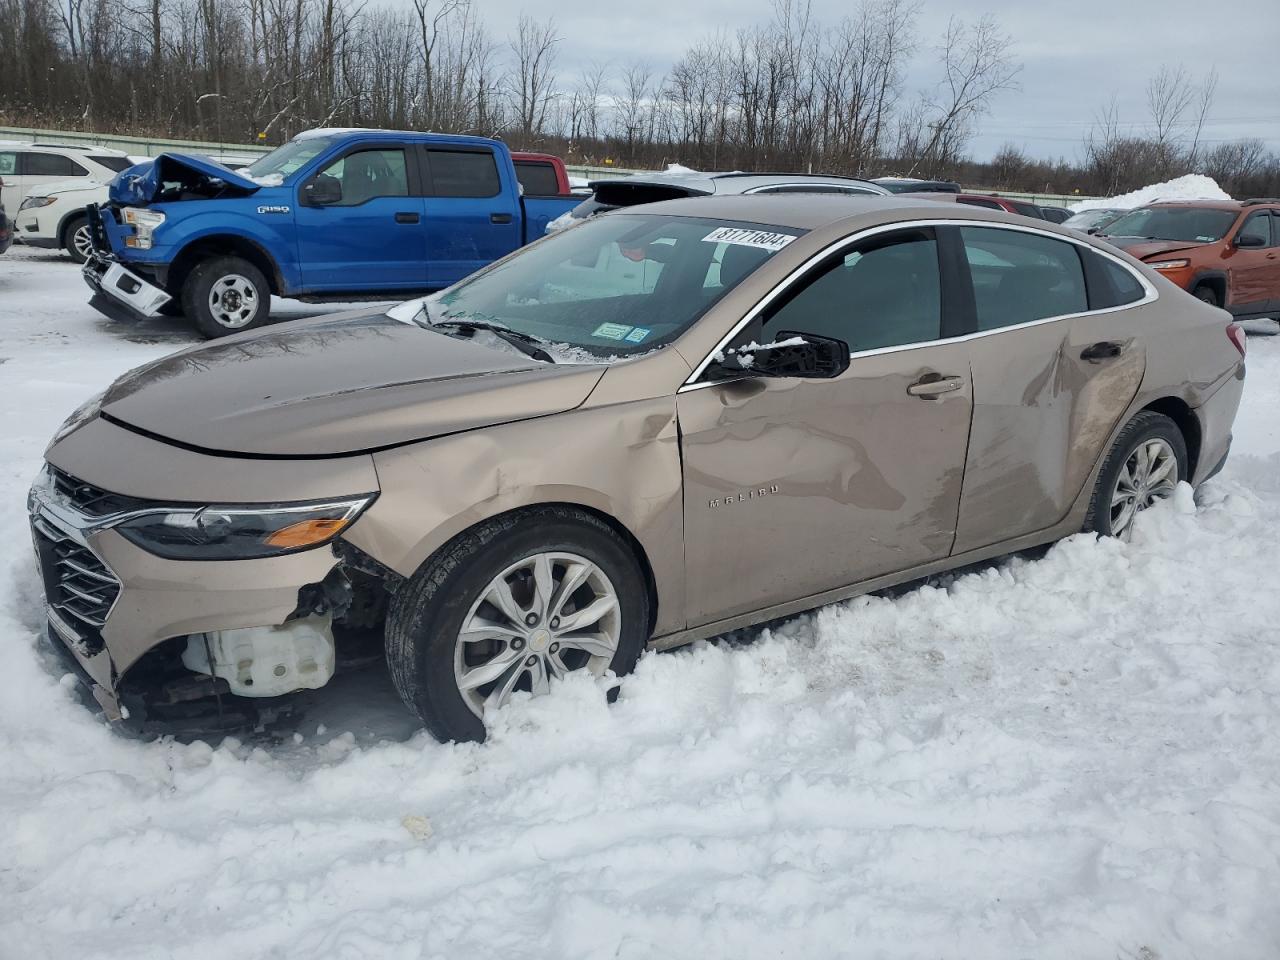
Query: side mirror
805, 355
322, 191
1245, 240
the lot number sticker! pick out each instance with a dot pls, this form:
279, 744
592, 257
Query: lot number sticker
611, 331
763, 239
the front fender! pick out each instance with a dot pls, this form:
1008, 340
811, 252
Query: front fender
620, 460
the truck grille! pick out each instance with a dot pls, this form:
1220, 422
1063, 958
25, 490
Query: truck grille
76, 583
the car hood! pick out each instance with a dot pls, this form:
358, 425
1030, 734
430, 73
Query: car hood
69, 186
1143, 249
338, 385
141, 182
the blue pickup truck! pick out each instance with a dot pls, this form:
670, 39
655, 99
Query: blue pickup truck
330, 215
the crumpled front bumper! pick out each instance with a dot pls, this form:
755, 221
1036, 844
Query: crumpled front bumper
119, 293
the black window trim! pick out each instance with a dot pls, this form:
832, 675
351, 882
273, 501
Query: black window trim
410, 170
694, 381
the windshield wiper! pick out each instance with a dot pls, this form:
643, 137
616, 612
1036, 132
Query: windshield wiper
526, 344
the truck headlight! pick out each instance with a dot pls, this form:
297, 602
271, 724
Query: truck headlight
32, 203
1168, 264
144, 223
241, 532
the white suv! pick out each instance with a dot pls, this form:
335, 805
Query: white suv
47, 186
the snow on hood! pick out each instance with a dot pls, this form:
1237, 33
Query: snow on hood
1193, 186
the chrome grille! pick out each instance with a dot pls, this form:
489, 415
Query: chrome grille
76, 583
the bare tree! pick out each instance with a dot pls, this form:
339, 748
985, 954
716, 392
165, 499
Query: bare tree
533, 72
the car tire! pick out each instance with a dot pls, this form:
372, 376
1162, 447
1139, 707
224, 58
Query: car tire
1155, 431
75, 239
226, 295
1207, 294
427, 614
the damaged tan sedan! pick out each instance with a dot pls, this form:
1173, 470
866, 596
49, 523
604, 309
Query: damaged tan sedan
661, 425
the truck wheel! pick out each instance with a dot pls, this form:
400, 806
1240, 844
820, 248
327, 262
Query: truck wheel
76, 240
511, 605
226, 295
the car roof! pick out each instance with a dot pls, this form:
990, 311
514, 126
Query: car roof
73, 147
731, 182
1234, 205
810, 211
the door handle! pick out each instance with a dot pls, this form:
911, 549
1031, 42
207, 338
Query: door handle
1105, 350
499, 218
933, 385
407, 218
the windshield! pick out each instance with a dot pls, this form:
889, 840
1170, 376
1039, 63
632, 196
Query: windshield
286, 159
1186, 224
1091, 218
616, 285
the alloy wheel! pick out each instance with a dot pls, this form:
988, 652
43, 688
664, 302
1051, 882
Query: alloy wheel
1149, 474
233, 301
540, 618
82, 243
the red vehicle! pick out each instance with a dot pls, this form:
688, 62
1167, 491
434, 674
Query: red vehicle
986, 200
541, 174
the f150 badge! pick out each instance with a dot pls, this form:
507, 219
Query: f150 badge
743, 497
273, 209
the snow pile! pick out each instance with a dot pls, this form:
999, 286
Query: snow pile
1193, 186
1056, 758
679, 168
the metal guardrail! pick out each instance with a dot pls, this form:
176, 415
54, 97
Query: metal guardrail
151, 146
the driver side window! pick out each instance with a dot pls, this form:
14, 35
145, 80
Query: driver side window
883, 293
368, 174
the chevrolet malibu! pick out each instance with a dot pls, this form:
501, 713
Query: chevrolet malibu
668, 423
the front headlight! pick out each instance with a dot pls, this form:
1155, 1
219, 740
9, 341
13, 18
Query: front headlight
32, 203
1168, 264
144, 223
79, 417
241, 532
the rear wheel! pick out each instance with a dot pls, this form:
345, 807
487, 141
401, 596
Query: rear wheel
510, 606
226, 295
76, 239
1145, 464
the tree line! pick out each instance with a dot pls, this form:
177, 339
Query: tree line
793, 93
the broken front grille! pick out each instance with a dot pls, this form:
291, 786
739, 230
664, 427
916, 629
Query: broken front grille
77, 585
88, 499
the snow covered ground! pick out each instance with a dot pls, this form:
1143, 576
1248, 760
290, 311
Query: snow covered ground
1069, 757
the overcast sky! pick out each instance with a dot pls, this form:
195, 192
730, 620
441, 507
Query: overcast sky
1075, 54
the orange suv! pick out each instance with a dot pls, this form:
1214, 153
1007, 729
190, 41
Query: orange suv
1226, 252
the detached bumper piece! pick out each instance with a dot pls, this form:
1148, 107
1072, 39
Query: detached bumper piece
121, 294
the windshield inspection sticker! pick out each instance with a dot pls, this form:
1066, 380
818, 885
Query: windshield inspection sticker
612, 331
763, 239
637, 334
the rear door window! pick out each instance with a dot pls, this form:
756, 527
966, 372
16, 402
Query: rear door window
50, 165
463, 173
1020, 277
538, 178
883, 293
1110, 284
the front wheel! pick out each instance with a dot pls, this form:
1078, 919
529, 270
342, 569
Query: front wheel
76, 239
510, 606
1207, 294
1145, 464
226, 295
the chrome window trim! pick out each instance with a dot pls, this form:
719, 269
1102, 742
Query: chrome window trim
1149, 291
841, 189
